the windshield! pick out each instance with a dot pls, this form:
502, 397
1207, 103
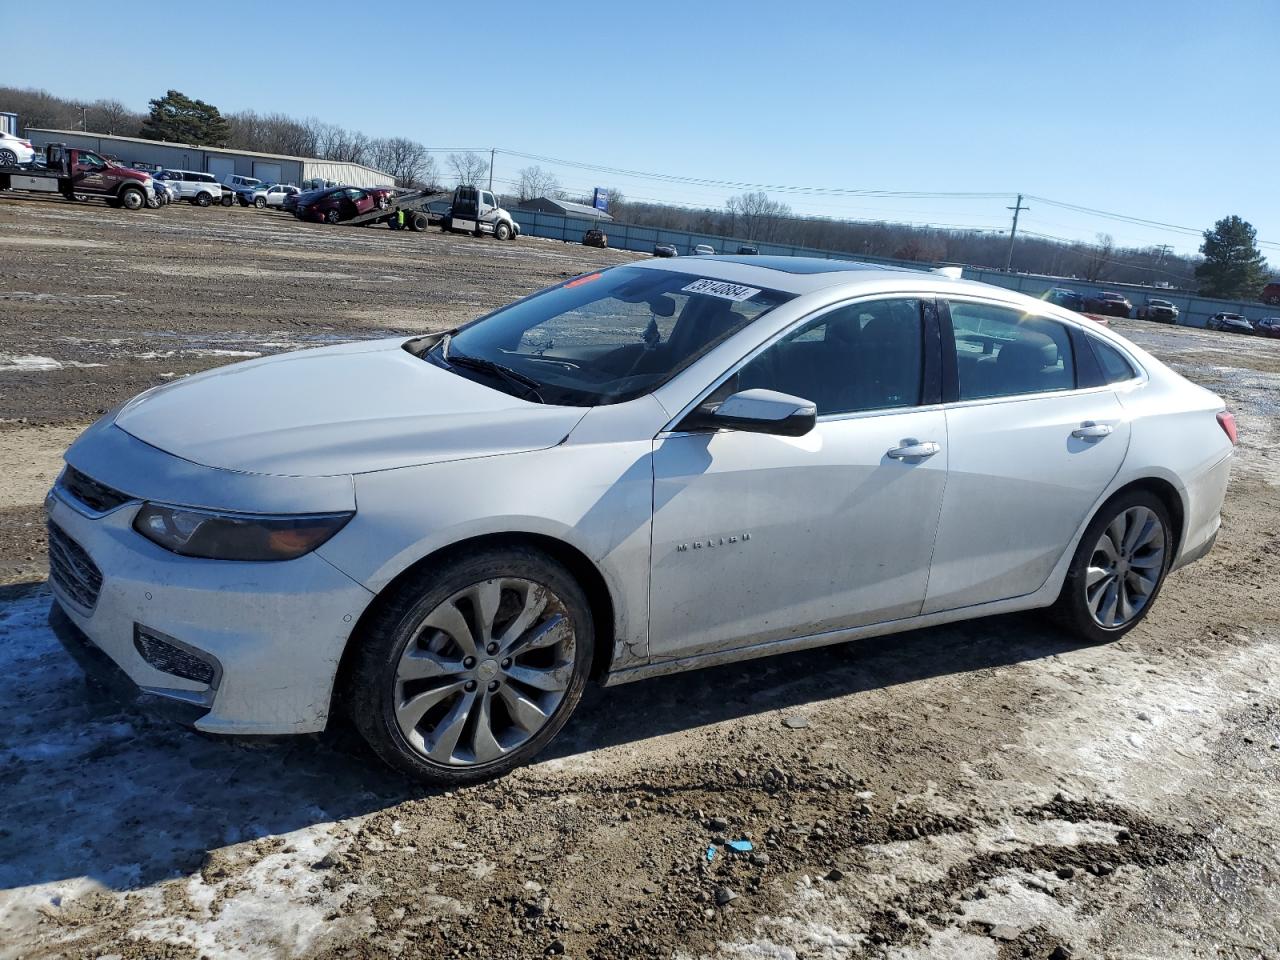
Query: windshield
604, 337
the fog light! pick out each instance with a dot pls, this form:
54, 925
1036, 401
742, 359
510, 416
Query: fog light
174, 657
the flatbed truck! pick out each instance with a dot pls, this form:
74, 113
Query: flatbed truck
77, 174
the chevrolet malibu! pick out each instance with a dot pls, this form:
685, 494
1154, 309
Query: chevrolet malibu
653, 468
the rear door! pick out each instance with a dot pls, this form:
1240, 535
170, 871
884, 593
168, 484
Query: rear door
759, 538
1030, 453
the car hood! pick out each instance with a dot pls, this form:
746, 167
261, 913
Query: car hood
338, 410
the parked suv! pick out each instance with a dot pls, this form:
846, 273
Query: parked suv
1109, 304
242, 187
1161, 311
274, 195
202, 189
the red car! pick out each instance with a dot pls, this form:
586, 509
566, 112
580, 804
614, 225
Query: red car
342, 203
1268, 327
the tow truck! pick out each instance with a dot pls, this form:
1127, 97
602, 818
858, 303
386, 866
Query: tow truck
467, 212
78, 174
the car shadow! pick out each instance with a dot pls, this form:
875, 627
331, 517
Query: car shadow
91, 789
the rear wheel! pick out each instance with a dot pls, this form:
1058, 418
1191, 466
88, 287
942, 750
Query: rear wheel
228, 199
472, 666
1118, 568
419, 222
8, 158
260, 202
332, 216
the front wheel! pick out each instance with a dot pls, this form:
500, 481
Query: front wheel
260, 202
203, 199
132, 199
472, 666
1118, 568
502, 231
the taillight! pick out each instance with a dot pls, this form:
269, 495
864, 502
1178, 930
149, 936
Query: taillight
1228, 424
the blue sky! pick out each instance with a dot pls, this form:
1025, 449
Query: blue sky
1164, 111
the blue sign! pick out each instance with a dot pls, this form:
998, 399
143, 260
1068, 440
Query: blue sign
600, 200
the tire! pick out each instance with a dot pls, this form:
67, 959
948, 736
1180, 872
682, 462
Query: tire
8, 158
1134, 511
131, 198
470, 747
260, 202
203, 199
228, 199
383, 203
418, 222
154, 203
502, 232
332, 216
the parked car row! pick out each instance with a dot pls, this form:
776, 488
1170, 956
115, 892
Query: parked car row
671, 250
1237, 323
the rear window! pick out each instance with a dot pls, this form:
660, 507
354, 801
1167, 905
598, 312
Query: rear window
1115, 368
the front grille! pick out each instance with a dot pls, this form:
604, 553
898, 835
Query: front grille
98, 497
72, 569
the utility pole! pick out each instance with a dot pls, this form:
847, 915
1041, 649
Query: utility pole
492, 153
84, 118
1164, 252
1013, 232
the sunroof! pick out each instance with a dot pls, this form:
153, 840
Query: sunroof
808, 264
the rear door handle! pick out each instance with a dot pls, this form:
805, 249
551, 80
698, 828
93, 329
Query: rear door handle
1091, 431
913, 449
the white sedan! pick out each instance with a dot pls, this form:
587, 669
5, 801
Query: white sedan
14, 150
652, 468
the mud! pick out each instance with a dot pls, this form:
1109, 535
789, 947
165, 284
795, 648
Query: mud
986, 790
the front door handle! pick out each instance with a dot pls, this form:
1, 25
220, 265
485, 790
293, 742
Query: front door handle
1091, 431
913, 449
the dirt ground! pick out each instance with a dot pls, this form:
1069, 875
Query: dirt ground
987, 790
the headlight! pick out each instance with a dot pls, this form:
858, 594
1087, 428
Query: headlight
233, 536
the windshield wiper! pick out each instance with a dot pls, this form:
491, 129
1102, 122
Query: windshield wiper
531, 386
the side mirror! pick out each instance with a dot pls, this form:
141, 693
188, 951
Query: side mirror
756, 411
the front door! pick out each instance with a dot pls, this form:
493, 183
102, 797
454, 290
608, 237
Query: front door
1030, 455
759, 538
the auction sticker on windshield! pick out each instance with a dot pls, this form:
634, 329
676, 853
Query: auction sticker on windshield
722, 289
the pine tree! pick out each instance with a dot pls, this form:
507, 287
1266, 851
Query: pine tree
1233, 268
177, 118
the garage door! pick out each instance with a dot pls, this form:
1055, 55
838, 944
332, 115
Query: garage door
222, 167
266, 172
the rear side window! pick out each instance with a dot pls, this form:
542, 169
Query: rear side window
1115, 368
1002, 352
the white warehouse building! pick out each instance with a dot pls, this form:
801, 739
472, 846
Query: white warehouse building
220, 161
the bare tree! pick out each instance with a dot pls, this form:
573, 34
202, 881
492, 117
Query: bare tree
1098, 258
404, 159
468, 168
535, 182
757, 214
113, 117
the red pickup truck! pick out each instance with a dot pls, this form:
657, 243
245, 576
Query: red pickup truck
76, 173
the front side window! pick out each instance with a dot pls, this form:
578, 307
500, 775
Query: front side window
88, 159
1002, 352
605, 337
865, 356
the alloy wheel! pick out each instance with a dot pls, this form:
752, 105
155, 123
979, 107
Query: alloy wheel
484, 672
1125, 567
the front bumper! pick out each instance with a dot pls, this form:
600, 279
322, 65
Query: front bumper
276, 631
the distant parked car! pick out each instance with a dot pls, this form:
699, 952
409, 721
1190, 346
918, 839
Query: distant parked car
1161, 311
665, 250
1271, 293
196, 187
243, 188
342, 203
15, 150
595, 237
1066, 297
747, 251
1229, 322
704, 250
1109, 304
1268, 327
274, 195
